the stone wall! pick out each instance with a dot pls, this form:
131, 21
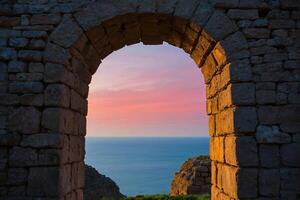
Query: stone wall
248, 52
193, 177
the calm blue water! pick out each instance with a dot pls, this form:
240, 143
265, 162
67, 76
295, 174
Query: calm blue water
142, 165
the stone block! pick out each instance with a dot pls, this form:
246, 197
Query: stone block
45, 19
249, 14
257, 33
289, 179
185, 10
229, 180
67, 32
269, 155
269, 182
265, 96
58, 120
56, 54
247, 182
217, 149
44, 181
271, 134
16, 66
7, 54
18, 42
36, 67
17, 176
37, 44
26, 87
43, 140
9, 139
22, 157
219, 26
238, 71
35, 34
202, 13
30, 55
57, 73
290, 154
57, 95
32, 100
245, 119
241, 151
50, 157
243, 93
76, 148
25, 120
265, 117
78, 103
225, 122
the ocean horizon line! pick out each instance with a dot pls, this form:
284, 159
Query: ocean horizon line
147, 136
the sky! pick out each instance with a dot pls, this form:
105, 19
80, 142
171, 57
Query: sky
145, 91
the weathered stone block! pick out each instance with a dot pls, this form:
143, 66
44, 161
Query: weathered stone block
36, 67
25, 120
217, 149
16, 66
245, 119
7, 54
269, 182
241, 151
265, 96
44, 140
57, 73
289, 179
32, 100
290, 154
66, 33
271, 134
243, 93
44, 181
22, 157
229, 180
250, 14
56, 54
219, 26
57, 95
9, 139
269, 155
18, 42
26, 87
257, 33
35, 34
30, 55
247, 182
17, 176
45, 19
58, 120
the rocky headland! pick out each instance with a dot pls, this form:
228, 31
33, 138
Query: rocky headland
193, 177
98, 186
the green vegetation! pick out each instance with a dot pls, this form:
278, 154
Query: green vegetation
168, 197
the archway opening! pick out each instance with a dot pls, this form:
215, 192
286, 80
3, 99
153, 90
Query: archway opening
145, 119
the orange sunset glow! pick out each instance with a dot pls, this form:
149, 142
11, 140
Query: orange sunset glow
147, 91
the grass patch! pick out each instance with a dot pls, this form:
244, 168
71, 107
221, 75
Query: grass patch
168, 197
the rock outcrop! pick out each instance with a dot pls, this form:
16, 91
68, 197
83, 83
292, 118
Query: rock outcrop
98, 186
193, 177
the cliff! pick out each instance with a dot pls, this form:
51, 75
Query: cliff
193, 177
98, 186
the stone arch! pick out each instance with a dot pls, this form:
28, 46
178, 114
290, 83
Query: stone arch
81, 41
45, 138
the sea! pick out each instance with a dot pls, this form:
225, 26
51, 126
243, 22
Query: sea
142, 165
